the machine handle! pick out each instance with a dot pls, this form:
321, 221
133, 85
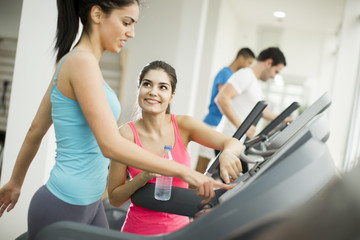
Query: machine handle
284, 114
214, 169
264, 134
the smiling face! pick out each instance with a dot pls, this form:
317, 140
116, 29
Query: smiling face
116, 28
155, 92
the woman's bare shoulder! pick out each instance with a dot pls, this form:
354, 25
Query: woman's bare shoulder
126, 132
185, 120
82, 63
78, 58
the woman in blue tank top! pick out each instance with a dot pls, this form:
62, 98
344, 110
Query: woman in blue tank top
84, 111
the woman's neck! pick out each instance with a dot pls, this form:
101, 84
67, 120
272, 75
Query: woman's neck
86, 43
156, 131
155, 124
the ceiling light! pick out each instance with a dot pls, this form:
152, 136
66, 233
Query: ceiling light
279, 14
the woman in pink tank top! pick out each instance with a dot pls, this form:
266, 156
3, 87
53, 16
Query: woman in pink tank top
152, 131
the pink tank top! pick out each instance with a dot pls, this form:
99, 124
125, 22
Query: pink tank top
143, 221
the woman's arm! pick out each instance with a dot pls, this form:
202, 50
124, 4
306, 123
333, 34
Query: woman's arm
86, 82
10, 192
231, 148
223, 101
119, 189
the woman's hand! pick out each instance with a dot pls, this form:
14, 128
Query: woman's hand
147, 176
204, 185
230, 166
9, 195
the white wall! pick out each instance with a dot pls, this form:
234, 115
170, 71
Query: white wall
344, 82
231, 35
207, 58
32, 74
189, 53
171, 36
156, 38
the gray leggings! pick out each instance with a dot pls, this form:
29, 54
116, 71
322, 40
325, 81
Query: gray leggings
45, 209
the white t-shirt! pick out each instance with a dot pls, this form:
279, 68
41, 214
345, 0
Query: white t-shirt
249, 92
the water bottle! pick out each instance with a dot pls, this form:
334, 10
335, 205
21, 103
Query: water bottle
163, 183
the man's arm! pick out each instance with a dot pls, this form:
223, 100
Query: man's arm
220, 86
223, 101
268, 114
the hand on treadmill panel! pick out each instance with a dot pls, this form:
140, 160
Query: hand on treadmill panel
230, 166
204, 185
288, 120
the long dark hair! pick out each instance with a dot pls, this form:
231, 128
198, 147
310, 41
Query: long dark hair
167, 68
69, 13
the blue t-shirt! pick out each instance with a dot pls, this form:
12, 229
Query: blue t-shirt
214, 115
79, 175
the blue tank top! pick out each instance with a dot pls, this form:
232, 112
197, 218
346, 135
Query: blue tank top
79, 175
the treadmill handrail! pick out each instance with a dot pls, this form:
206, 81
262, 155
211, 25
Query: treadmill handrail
246, 124
280, 118
262, 136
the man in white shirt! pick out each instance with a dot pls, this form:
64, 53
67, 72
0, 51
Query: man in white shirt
244, 58
243, 90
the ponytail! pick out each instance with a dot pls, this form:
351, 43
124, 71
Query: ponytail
67, 27
71, 12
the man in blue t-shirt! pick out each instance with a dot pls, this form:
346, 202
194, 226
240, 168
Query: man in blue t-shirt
244, 58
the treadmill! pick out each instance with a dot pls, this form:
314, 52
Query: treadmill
295, 165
